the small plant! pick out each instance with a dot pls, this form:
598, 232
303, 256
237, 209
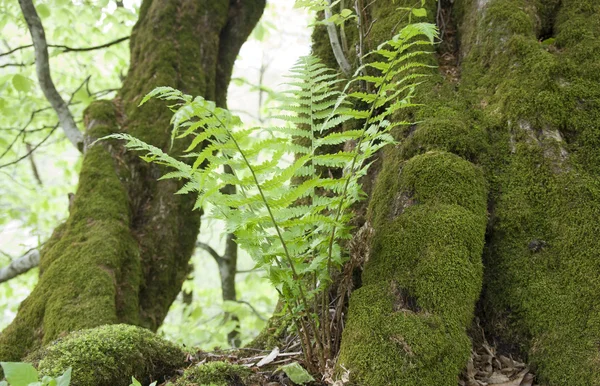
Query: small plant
24, 374
293, 216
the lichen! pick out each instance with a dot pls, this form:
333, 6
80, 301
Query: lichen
109, 356
214, 374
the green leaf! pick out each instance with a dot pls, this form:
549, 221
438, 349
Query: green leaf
19, 373
48, 381
296, 373
21, 83
43, 10
65, 379
345, 13
419, 12
135, 382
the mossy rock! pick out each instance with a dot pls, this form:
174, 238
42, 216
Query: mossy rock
109, 356
214, 374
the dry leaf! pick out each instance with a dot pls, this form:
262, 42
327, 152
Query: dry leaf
269, 358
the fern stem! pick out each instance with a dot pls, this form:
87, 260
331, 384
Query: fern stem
283, 244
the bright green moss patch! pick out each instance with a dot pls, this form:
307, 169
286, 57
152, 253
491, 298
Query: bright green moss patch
542, 268
90, 270
214, 374
110, 355
101, 119
407, 323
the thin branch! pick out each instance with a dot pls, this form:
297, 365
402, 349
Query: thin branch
21, 265
84, 49
42, 67
210, 251
16, 65
32, 149
15, 50
69, 49
34, 168
254, 310
335, 43
23, 130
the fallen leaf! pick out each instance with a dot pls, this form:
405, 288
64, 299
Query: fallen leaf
269, 358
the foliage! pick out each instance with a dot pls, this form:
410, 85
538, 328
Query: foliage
24, 374
293, 218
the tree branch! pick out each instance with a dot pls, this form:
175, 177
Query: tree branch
69, 49
83, 49
211, 251
42, 67
23, 130
254, 310
21, 265
32, 149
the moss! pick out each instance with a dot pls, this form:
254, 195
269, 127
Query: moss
214, 374
541, 276
407, 322
110, 356
104, 115
84, 267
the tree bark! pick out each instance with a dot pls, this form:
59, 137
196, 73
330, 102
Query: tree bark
123, 253
489, 207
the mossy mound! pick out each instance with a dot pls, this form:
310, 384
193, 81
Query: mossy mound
109, 356
214, 374
407, 323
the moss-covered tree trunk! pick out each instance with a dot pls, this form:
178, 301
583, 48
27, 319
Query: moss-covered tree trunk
123, 253
490, 206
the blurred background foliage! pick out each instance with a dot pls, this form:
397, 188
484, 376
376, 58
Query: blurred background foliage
39, 167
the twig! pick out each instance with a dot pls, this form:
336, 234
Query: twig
253, 309
83, 49
36, 174
69, 49
32, 149
42, 67
15, 65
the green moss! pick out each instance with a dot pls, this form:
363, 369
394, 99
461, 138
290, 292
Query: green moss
101, 119
407, 322
84, 267
110, 356
542, 108
213, 374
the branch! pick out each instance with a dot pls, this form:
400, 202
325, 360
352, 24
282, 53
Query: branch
15, 50
32, 149
15, 65
23, 130
69, 49
34, 169
253, 309
21, 265
335, 43
83, 49
211, 251
42, 67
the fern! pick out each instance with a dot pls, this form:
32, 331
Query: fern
290, 217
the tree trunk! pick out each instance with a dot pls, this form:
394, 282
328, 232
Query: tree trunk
123, 254
489, 207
